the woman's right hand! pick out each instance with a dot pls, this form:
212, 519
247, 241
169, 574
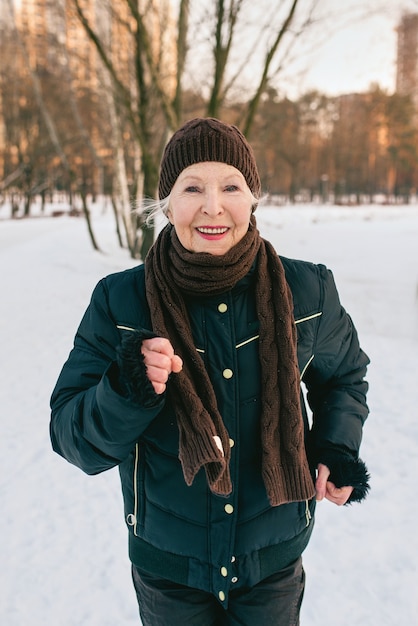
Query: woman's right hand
160, 361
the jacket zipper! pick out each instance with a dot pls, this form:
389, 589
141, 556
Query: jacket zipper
307, 513
132, 518
136, 488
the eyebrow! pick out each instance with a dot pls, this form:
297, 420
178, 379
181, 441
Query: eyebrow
195, 177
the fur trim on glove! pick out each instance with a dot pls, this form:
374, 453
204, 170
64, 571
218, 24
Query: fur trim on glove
347, 471
133, 375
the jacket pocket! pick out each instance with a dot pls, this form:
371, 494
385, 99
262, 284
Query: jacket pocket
135, 500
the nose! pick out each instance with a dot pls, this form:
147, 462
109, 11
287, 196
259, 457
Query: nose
212, 204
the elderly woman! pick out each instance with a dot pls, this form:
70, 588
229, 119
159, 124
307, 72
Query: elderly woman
186, 373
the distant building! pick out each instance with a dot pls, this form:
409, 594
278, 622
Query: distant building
53, 45
51, 27
407, 57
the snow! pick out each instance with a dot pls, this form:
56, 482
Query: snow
64, 543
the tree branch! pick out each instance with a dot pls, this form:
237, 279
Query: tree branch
253, 104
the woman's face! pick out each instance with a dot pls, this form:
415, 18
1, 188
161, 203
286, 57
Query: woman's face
210, 207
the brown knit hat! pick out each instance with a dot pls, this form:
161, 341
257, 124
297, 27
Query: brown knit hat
207, 139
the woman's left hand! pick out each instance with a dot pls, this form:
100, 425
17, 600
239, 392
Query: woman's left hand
327, 489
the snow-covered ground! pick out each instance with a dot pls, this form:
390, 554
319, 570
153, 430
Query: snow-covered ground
63, 540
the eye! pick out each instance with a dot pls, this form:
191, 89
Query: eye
192, 189
231, 188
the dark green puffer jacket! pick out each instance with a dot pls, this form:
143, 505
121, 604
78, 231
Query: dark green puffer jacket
183, 533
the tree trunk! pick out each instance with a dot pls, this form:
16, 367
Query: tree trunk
124, 207
28, 201
116, 214
86, 213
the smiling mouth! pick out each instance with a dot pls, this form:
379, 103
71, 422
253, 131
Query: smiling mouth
205, 230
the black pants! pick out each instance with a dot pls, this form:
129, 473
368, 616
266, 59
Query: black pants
275, 601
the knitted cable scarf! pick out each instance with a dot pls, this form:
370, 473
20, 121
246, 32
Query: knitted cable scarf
171, 272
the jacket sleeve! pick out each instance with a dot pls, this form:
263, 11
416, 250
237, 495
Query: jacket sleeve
95, 421
337, 390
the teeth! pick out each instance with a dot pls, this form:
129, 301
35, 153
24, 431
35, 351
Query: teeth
212, 231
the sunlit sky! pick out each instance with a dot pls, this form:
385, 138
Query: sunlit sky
359, 51
354, 46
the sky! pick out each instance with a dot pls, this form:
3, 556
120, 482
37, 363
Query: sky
354, 47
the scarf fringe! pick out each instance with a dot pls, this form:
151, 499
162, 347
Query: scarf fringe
205, 452
285, 484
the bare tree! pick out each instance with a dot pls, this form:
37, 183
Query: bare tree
37, 89
150, 88
226, 31
155, 69
49, 121
147, 97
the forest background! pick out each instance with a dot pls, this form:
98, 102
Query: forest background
91, 91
